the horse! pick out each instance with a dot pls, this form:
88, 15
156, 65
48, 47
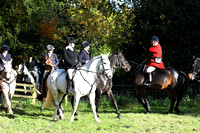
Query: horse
8, 84
196, 69
105, 84
49, 68
176, 83
24, 76
84, 82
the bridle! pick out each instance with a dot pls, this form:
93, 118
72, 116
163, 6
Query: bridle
138, 67
124, 64
7, 80
98, 73
195, 73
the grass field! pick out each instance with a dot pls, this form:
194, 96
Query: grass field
28, 118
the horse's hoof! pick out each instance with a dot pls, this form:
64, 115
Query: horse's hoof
61, 117
55, 119
97, 120
119, 116
148, 112
169, 112
177, 111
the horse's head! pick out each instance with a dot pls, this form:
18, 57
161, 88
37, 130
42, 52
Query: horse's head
105, 66
7, 69
196, 69
26, 75
121, 61
22, 69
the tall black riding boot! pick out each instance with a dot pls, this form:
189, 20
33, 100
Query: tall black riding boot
69, 83
149, 83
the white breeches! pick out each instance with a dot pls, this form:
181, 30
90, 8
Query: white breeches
70, 73
150, 69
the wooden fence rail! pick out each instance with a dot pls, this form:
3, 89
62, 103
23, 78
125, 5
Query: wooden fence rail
32, 90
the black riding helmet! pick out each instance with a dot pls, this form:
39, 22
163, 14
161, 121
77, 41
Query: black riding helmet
154, 38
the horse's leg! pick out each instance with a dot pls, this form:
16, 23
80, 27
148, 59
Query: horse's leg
111, 97
43, 99
148, 108
56, 103
179, 98
98, 99
92, 102
139, 98
8, 102
177, 104
75, 105
72, 103
60, 104
2, 101
173, 100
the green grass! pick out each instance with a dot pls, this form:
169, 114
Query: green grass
28, 118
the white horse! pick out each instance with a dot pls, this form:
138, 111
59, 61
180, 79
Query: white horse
8, 84
24, 76
84, 83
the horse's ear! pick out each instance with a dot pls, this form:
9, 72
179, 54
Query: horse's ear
100, 53
119, 51
193, 57
108, 53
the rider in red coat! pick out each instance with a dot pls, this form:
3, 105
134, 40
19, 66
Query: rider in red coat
156, 52
155, 58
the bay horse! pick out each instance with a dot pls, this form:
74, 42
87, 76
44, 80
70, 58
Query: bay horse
84, 83
8, 84
176, 83
48, 69
105, 84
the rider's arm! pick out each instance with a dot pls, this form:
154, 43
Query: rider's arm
57, 61
67, 59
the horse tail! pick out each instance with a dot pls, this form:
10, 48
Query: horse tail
49, 100
184, 81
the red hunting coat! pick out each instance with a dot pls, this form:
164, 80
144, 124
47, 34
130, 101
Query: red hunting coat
156, 51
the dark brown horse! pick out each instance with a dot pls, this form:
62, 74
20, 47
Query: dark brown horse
105, 84
48, 69
174, 81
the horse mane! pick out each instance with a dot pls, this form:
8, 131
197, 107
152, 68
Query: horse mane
91, 60
197, 60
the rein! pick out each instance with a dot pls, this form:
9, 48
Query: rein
98, 73
10, 81
137, 68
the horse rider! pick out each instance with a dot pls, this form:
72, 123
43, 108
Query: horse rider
6, 57
155, 59
50, 63
84, 55
72, 61
31, 66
